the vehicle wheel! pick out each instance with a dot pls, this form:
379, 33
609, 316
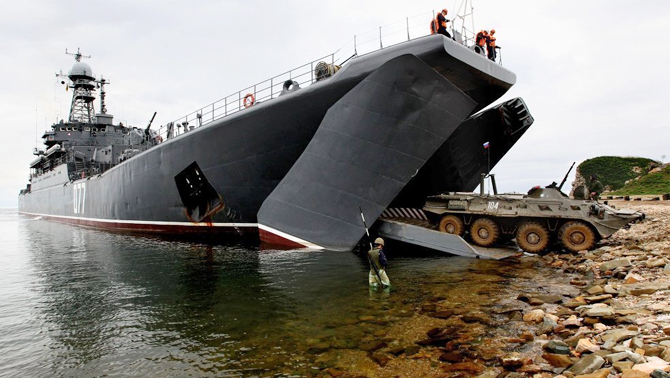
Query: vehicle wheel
452, 224
532, 237
576, 236
484, 232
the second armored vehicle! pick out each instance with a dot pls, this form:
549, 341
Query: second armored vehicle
536, 219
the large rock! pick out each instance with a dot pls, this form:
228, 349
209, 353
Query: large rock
511, 361
549, 298
655, 263
598, 298
620, 366
534, 316
471, 368
613, 264
587, 364
602, 373
585, 345
572, 322
652, 364
558, 360
660, 374
617, 335
630, 373
599, 310
632, 278
557, 347
595, 290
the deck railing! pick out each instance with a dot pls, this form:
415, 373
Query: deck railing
370, 41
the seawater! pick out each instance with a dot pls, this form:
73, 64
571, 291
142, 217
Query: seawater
83, 302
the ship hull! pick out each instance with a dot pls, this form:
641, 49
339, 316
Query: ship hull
243, 157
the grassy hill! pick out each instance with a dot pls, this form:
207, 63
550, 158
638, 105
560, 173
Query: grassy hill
614, 171
651, 183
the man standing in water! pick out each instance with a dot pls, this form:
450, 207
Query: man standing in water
378, 264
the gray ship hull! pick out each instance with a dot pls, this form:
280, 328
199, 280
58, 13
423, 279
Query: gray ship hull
243, 157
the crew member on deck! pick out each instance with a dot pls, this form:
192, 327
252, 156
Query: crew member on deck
442, 23
482, 40
377, 275
491, 46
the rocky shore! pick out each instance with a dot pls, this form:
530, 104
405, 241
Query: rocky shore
606, 315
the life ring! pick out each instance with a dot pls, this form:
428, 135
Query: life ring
159, 139
249, 100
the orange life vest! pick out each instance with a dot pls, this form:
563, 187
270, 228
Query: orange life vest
433, 25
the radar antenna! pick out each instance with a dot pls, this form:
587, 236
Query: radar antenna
77, 55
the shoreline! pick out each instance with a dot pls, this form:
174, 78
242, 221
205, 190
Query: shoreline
606, 314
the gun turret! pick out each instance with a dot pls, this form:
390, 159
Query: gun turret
566, 176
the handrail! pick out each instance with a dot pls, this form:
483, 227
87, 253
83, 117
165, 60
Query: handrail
396, 32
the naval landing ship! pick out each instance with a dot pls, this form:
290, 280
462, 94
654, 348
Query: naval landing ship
382, 130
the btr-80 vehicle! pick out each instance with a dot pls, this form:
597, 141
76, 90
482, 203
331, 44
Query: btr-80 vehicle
536, 219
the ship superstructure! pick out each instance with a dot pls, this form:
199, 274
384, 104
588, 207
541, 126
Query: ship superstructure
88, 143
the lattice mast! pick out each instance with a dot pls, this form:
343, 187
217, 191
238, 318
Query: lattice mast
83, 85
463, 16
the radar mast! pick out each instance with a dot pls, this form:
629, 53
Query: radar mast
82, 80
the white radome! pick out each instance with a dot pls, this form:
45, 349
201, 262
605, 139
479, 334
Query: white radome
81, 69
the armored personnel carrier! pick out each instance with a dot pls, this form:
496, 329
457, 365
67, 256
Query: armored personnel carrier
536, 220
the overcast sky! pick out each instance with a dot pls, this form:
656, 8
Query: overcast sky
594, 74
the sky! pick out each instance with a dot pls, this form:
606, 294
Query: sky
594, 74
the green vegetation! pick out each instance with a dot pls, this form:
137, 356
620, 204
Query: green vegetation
652, 183
614, 171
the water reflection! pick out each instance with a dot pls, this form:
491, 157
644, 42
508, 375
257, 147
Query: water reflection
104, 303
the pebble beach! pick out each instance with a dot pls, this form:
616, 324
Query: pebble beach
602, 313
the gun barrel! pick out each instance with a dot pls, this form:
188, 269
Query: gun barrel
566, 176
151, 121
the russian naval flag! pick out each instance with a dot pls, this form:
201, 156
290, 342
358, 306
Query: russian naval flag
486, 145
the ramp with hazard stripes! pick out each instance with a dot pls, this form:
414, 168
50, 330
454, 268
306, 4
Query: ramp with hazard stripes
422, 233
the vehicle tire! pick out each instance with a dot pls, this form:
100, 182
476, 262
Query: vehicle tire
452, 224
577, 236
484, 232
532, 237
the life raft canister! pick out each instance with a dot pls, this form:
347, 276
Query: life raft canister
249, 100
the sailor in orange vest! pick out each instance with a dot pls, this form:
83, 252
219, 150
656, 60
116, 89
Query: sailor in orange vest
441, 21
491, 45
482, 40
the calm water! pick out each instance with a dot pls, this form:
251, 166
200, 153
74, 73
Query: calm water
80, 302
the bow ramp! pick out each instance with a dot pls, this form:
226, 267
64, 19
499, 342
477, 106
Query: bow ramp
368, 147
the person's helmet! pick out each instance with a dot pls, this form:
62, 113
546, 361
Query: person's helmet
379, 241
445, 10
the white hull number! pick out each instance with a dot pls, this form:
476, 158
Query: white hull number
79, 199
